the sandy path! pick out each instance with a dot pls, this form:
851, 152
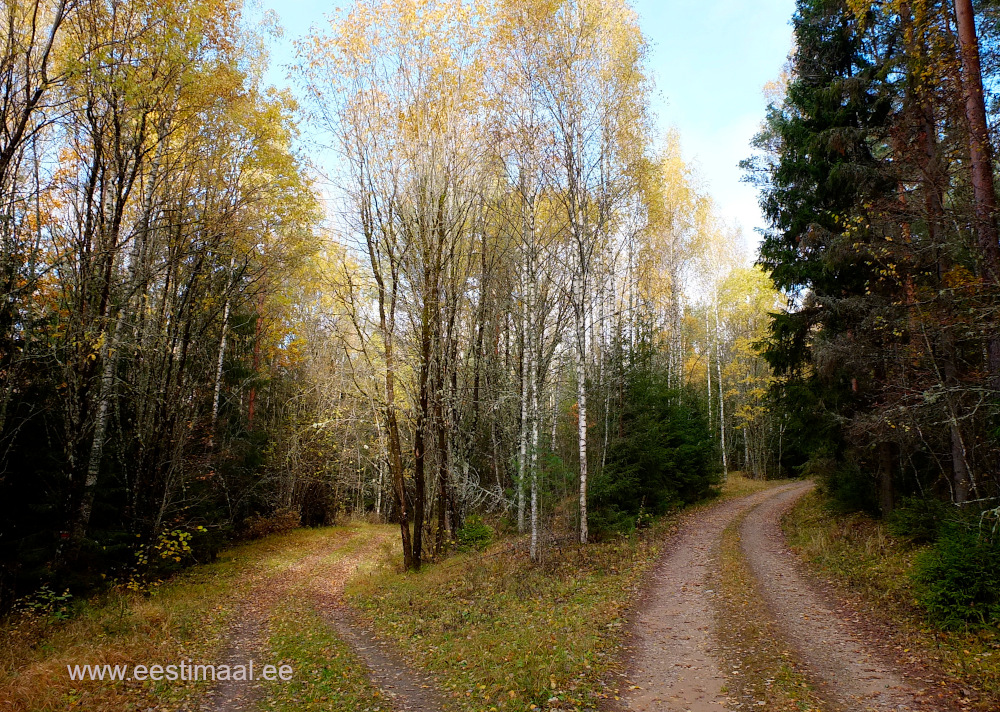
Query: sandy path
849, 676
672, 665
321, 575
247, 636
408, 689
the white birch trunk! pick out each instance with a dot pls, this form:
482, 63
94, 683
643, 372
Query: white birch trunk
523, 459
217, 393
533, 417
581, 394
722, 399
708, 370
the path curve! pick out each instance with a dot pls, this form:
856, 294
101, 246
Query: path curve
321, 575
849, 676
671, 643
409, 690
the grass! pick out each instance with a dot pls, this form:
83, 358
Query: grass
504, 634
869, 566
185, 618
737, 485
760, 672
328, 677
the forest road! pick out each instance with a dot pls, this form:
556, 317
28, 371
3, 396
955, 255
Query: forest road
671, 647
675, 664
248, 634
849, 675
409, 689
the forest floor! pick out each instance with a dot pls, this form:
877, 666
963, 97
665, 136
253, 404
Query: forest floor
708, 610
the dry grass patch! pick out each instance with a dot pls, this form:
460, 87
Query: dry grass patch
504, 634
738, 485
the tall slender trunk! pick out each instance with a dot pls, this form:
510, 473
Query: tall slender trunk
981, 160
555, 416
396, 454
962, 476
443, 486
109, 359
534, 346
419, 446
708, 370
722, 395
581, 396
217, 391
980, 150
523, 434
258, 333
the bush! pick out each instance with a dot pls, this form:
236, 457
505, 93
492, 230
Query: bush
851, 487
919, 520
474, 534
46, 603
960, 576
283, 520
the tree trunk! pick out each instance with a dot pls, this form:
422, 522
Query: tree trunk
581, 395
534, 346
523, 434
396, 457
217, 390
886, 469
419, 447
981, 159
258, 333
980, 150
722, 394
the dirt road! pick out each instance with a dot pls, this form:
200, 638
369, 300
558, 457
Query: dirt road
676, 662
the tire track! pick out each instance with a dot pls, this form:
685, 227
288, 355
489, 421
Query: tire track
321, 576
849, 675
409, 690
673, 662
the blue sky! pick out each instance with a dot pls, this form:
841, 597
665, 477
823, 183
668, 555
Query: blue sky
710, 60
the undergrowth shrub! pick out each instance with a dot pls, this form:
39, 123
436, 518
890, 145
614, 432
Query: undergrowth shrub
851, 487
474, 534
662, 456
960, 576
283, 520
46, 603
919, 519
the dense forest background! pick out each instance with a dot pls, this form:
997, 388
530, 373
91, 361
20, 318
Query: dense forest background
878, 179
484, 286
